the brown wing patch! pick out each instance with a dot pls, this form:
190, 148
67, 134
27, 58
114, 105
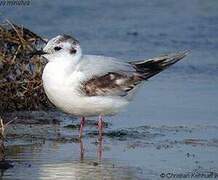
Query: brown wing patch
111, 84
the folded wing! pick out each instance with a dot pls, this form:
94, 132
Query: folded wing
110, 77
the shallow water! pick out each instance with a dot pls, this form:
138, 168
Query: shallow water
46, 150
171, 126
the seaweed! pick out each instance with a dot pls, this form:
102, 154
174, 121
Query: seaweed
20, 72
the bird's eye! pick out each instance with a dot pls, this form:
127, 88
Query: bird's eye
57, 48
73, 51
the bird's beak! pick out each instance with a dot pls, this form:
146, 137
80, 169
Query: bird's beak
37, 52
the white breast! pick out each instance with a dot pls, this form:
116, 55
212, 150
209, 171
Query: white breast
63, 90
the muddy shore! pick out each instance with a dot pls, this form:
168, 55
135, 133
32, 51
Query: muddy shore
47, 145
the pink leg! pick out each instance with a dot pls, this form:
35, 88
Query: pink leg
82, 123
100, 126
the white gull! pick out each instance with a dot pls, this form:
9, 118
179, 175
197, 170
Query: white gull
90, 85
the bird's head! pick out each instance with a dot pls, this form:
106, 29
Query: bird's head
61, 47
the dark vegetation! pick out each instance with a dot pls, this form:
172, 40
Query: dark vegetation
20, 72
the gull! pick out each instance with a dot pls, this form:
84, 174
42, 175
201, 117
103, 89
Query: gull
92, 85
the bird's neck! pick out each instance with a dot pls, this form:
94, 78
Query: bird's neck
67, 63
60, 68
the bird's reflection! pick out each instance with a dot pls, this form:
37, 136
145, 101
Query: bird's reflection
99, 149
81, 169
81, 150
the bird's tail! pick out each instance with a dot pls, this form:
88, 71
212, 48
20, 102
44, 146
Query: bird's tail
153, 66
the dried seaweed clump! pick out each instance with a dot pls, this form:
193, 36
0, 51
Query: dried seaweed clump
20, 74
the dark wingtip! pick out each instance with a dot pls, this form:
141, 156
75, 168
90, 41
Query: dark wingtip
187, 51
150, 67
182, 54
175, 57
